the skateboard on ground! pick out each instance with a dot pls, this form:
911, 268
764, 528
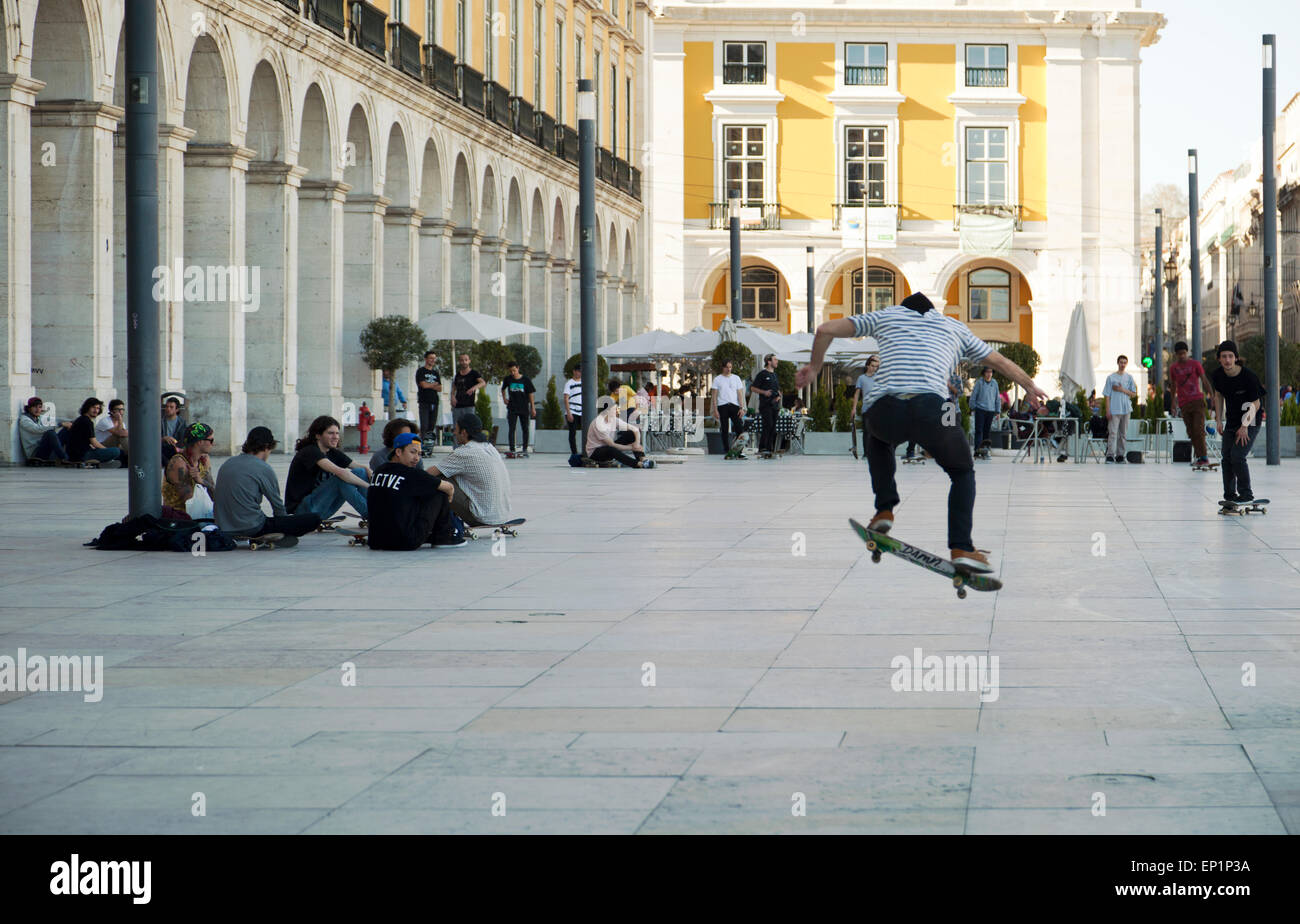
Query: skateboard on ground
516, 455
984, 451
853, 428
329, 524
878, 543
499, 529
737, 449
1204, 466
1241, 508
357, 537
914, 460
267, 541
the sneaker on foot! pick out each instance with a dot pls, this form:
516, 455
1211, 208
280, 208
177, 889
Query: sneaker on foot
882, 522
452, 542
971, 560
650, 463
1110, 459
1062, 457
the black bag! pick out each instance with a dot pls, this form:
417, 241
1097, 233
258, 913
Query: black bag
1182, 450
1134, 456
147, 533
1097, 427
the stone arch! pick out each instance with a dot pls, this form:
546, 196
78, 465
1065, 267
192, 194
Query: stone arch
64, 50
1018, 324
714, 292
835, 282
629, 268
397, 172
462, 194
559, 247
208, 87
166, 73
489, 221
266, 117
575, 242
316, 137
358, 160
514, 232
613, 266
537, 224
955, 265
432, 194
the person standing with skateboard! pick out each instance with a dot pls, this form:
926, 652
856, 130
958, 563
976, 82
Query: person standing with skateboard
1121, 392
728, 399
910, 400
1237, 394
573, 408
768, 388
428, 386
464, 389
860, 397
517, 394
1187, 375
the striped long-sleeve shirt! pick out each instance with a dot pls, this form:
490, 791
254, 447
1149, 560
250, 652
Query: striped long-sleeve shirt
917, 351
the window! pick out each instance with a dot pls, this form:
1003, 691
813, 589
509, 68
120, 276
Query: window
986, 65
744, 62
579, 62
864, 163
986, 166
460, 30
990, 295
613, 109
559, 72
595, 86
538, 37
399, 11
865, 65
514, 47
431, 23
627, 118
744, 162
758, 294
489, 39
880, 287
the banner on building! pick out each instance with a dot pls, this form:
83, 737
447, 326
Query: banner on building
882, 227
986, 235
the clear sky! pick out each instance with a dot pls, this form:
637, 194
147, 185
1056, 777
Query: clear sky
1201, 83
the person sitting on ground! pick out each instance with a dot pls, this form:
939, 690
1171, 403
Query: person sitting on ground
110, 429
482, 496
82, 445
187, 472
321, 477
392, 430
173, 428
610, 438
243, 481
40, 442
409, 506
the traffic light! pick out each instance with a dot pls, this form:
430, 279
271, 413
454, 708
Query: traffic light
1148, 361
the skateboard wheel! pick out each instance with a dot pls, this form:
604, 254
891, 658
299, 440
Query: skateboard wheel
961, 593
875, 558
957, 581
871, 545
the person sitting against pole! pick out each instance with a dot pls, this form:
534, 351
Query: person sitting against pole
243, 481
187, 472
392, 430
408, 505
322, 478
82, 445
39, 442
610, 438
482, 484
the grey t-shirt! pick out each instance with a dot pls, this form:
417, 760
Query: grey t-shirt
478, 470
242, 482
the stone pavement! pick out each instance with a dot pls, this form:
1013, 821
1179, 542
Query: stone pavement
518, 681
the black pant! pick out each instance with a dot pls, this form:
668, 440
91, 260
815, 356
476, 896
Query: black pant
293, 524
606, 453
574, 426
1236, 470
983, 426
767, 426
866, 433
730, 414
428, 418
522, 417
920, 420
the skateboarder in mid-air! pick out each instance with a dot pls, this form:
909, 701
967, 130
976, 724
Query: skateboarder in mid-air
909, 400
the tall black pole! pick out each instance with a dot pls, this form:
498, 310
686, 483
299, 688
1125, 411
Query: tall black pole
1158, 302
144, 445
812, 320
587, 248
733, 210
1194, 254
1272, 406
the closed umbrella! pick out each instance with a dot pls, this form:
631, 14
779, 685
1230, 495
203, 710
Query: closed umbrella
1076, 361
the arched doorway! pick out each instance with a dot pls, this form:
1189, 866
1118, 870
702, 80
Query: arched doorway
886, 285
994, 299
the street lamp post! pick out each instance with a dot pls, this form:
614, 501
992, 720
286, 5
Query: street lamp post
1272, 373
812, 320
1171, 299
587, 244
1194, 250
1157, 300
733, 221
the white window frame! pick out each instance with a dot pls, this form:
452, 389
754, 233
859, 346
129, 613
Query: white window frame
613, 108
768, 64
842, 66
560, 54
1013, 155
854, 288
1001, 43
539, 60
768, 160
884, 115
1009, 180
515, 63
1011, 90
462, 31
842, 150
596, 55
399, 12
489, 56
431, 23
629, 82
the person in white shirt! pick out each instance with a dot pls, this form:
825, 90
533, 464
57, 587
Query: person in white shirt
1121, 391
573, 407
610, 437
110, 429
728, 399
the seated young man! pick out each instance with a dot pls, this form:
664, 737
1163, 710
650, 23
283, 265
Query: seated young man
82, 445
611, 437
39, 441
409, 506
482, 495
392, 430
243, 481
111, 428
322, 477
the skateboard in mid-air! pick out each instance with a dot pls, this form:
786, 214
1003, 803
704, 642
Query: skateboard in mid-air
1242, 508
266, 541
507, 528
878, 543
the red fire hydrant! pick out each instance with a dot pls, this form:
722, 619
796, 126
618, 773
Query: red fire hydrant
365, 420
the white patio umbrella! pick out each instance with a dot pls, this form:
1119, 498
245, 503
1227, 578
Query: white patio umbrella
651, 344
841, 350
455, 324
759, 340
1076, 361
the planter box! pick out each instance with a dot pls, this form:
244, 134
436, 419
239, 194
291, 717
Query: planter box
552, 441
1286, 439
827, 444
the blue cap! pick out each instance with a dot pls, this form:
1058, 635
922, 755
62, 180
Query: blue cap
404, 439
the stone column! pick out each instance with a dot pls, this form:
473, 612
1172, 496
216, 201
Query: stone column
71, 232
17, 97
320, 300
627, 296
464, 274
613, 309
172, 141
271, 316
435, 265
563, 318
602, 312
516, 281
363, 291
538, 313
215, 273
491, 275
402, 261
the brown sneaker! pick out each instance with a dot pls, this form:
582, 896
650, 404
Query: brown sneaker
971, 560
882, 522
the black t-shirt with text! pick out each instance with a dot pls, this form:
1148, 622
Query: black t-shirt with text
83, 429
767, 380
516, 392
427, 395
1237, 390
462, 385
402, 505
305, 475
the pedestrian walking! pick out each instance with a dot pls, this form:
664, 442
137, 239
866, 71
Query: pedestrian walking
1121, 392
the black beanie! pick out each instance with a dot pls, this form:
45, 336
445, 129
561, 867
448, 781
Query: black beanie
917, 302
1228, 345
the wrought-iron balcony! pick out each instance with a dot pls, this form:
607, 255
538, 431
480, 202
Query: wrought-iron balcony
634, 184
837, 213
1013, 212
571, 152
622, 174
470, 84
546, 131
440, 70
328, 14
744, 73
291, 4
498, 103
405, 45
368, 28
605, 165
862, 76
986, 76
754, 216
521, 118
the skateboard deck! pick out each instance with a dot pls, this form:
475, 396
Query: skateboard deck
329, 524
737, 446
498, 529
264, 541
1206, 467
356, 537
1242, 508
961, 578
853, 428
